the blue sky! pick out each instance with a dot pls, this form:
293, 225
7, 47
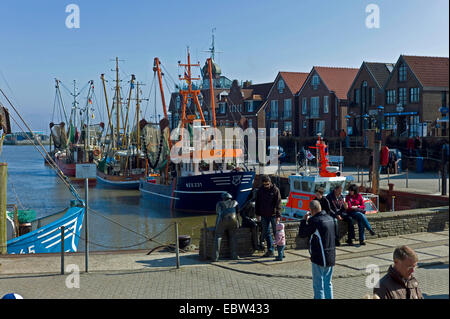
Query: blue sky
257, 38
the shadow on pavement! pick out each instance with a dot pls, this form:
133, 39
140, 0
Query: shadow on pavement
425, 296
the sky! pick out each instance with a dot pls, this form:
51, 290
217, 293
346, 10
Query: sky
256, 39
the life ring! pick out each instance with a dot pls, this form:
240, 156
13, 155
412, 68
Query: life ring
96, 153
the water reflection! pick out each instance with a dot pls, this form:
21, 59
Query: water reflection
32, 185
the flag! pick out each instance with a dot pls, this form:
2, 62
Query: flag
309, 156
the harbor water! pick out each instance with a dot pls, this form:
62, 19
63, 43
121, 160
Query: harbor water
33, 185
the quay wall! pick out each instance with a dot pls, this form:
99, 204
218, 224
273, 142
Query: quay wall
385, 224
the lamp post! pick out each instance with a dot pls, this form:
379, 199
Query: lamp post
365, 118
376, 152
347, 138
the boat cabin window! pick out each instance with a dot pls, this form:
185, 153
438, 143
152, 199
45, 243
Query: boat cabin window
334, 184
307, 186
321, 185
297, 186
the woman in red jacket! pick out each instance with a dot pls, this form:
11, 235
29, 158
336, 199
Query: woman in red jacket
356, 210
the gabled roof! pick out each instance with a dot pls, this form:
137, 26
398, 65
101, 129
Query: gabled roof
429, 71
380, 71
336, 79
260, 91
294, 80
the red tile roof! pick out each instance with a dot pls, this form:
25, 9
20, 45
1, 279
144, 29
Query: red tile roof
430, 71
294, 80
338, 80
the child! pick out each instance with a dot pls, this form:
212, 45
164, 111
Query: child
280, 241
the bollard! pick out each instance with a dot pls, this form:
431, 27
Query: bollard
62, 250
393, 202
177, 245
407, 177
205, 226
439, 181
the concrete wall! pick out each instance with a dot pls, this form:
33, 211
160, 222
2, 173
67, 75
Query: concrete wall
384, 224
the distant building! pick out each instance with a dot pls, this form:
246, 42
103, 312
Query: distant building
323, 100
281, 105
366, 93
414, 92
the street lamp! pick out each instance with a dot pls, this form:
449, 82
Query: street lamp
365, 117
380, 125
347, 139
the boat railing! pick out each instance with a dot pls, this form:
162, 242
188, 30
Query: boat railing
370, 196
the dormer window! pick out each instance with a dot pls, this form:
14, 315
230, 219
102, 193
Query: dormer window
281, 86
402, 72
315, 81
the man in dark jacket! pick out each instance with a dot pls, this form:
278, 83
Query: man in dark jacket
319, 226
268, 210
338, 210
399, 282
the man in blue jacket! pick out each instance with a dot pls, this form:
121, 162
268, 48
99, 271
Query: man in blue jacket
319, 226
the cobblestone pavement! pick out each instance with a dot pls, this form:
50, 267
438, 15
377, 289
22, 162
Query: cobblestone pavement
135, 275
208, 282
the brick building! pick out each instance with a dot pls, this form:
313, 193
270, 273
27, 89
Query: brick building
365, 94
322, 100
414, 92
280, 108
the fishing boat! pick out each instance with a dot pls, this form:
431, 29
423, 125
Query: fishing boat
304, 186
46, 235
122, 164
47, 238
190, 186
73, 145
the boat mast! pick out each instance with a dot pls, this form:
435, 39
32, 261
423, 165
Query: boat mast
211, 87
128, 108
117, 103
189, 93
102, 76
156, 68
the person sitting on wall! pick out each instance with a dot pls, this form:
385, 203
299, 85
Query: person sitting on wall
338, 210
325, 204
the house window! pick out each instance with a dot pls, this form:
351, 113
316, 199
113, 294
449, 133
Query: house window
250, 123
274, 109
320, 127
391, 97
372, 96
325, 104
288, 127
249, 106
281, 86
287, 108
305, 123
414, 95
315, 80
402, 72
390, 122
304, 105
402, 96
222, 107
357, 96
315, 104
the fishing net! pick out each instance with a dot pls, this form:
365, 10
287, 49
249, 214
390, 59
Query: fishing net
58, 135
155, 139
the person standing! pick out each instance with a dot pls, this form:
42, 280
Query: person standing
338, 210
226, 222
356, 210
399, 282
280, 241
319, 227
268, 211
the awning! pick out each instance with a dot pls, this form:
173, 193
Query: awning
400, 113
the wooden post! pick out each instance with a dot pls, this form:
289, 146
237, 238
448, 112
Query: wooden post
3, 233
177, 246
376, 168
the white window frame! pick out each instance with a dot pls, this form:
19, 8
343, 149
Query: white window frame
274, 106
315, 106
286, 103
304, 105
281, 85
325, 104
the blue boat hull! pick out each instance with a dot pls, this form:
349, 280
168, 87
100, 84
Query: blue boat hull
200, 193
47, 239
